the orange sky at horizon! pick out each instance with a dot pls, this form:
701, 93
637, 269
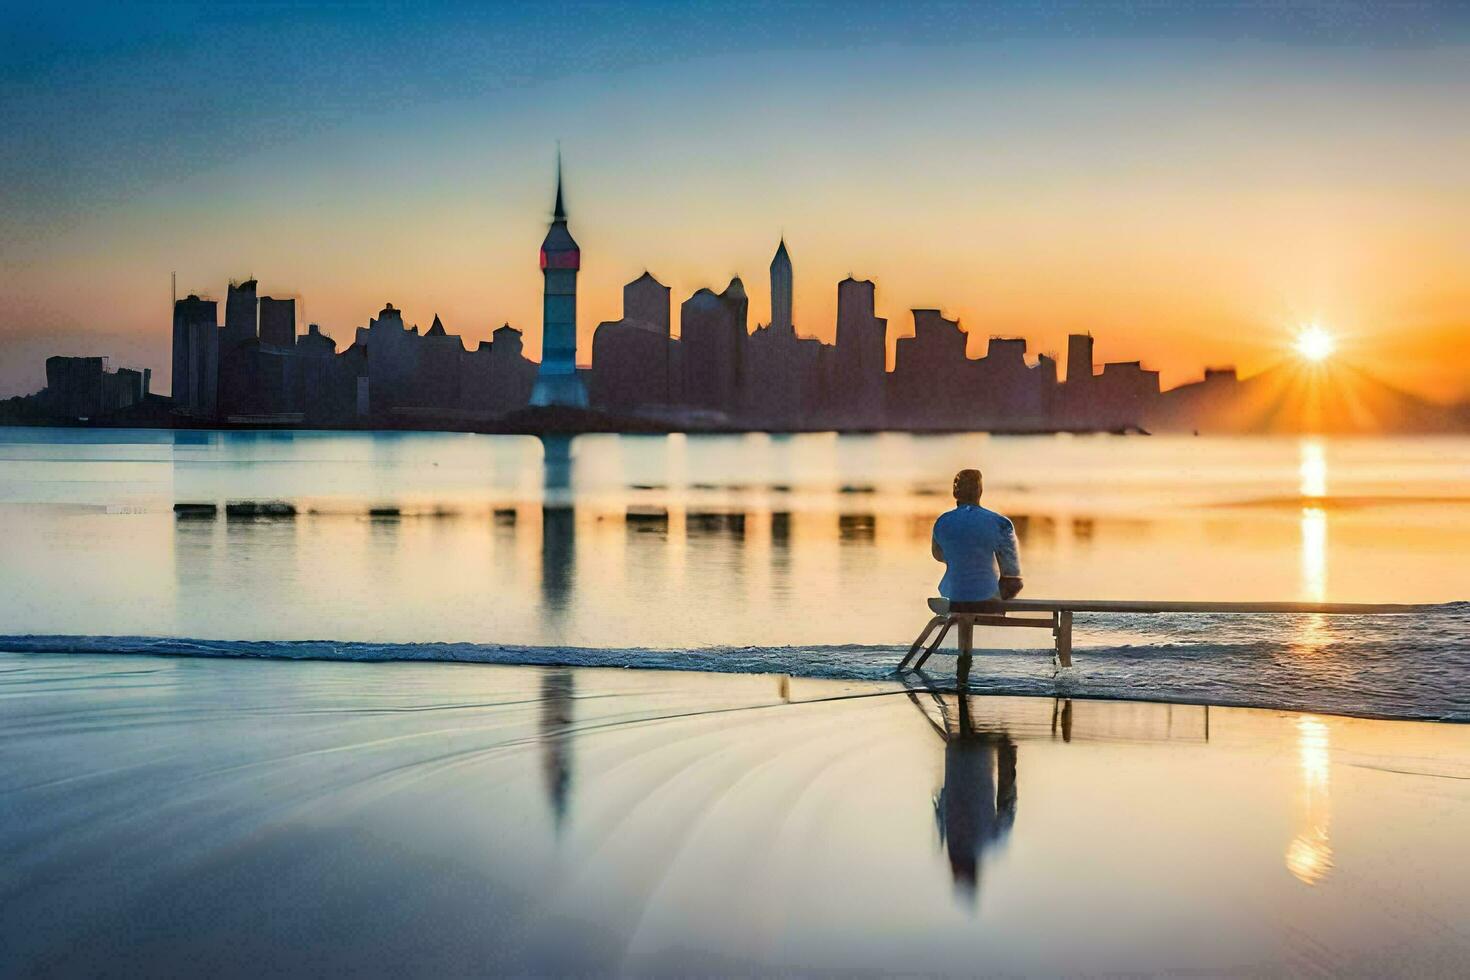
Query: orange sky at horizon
1213, 307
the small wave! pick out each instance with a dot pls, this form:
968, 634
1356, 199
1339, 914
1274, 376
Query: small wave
1398, 672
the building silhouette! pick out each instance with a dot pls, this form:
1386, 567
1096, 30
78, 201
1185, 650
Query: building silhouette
634, 358
512, 375
1010, 392
783, 386
712, 335
393, 360
930, 388
859, 358
781, 299
1214, 401
715, 373
196, 357
239, 378
1079, 358
391, 374
316, 343
557, 381
277, 322
1122, 396
86, 387
240, 314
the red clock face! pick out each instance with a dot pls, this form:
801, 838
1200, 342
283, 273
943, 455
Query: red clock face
561, 260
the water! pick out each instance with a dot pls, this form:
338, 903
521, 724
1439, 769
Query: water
803, 554
232, 818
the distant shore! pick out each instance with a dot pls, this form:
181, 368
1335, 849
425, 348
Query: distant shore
528, 422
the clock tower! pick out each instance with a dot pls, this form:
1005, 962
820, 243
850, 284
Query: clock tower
557, 382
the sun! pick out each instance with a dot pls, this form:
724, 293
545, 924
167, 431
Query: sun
1314, 344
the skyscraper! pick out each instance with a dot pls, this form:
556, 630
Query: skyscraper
931, 384
278, 322
712, 333
1076, 402
196, 356
781, 291
1079, 358
240, 314
240, 338
557, 382
783, 371
632, 358
860, 358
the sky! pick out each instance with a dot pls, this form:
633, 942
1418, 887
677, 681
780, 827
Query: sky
1191, 183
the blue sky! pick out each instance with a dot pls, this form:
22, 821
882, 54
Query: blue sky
968, 156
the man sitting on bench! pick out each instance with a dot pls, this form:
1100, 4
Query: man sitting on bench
972, 541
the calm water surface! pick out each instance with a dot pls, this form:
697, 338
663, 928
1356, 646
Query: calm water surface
253, 817
805, 553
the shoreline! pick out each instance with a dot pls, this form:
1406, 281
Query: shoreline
672, 661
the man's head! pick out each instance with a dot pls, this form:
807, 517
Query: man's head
967, 487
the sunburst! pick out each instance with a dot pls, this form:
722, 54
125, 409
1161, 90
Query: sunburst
1314, 343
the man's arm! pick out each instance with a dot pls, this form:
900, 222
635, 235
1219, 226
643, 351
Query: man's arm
935, 550
1008, 557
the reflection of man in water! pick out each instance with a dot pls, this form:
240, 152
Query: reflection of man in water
972, 541
977, 804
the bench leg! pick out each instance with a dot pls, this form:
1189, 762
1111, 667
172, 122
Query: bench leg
935, 645
919, 643
1063, 631
967, 647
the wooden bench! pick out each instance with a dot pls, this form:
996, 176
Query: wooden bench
1058, 618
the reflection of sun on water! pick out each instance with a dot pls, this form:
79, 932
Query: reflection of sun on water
1314, 553
1309, 855
1312, 475
1312, 468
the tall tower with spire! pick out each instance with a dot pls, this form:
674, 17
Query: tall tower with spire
781, 290
557, 382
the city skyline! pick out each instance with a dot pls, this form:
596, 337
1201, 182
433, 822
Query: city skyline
782, 303
715, 366
1225, 187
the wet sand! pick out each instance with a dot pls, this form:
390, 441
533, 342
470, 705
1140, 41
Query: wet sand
178, 815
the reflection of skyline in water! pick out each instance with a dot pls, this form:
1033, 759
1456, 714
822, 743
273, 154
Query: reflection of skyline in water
465, 559
558, 525
694, 543
558, 693
558, 556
